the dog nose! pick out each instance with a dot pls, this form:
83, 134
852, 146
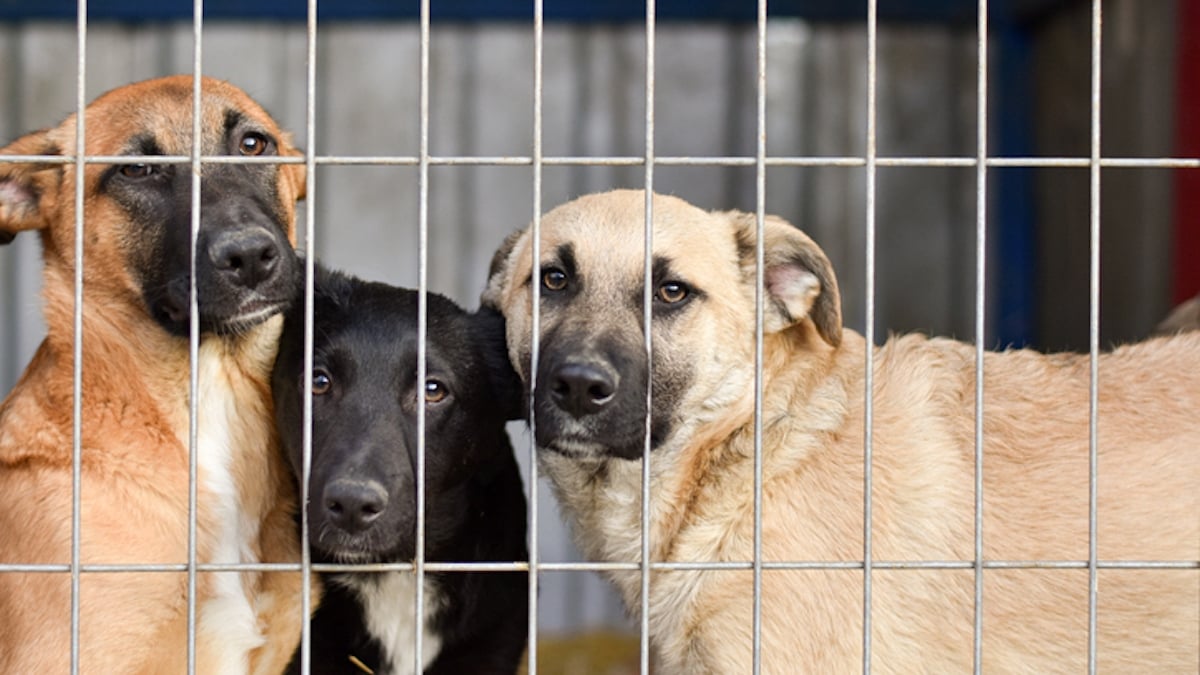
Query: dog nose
581, 388
353, 505
245, 257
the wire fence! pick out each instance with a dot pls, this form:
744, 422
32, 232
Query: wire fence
982, 161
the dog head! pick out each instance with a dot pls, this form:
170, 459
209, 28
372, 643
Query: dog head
362, 504
592, 373
138, 216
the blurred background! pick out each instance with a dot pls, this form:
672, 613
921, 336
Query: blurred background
481, 104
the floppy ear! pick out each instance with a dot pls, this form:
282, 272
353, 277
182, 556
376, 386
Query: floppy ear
22, 185
506, 384
296, 174
498, 271
798, 279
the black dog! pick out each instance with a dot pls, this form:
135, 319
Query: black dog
362, 490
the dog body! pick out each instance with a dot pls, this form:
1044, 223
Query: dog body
589, 407
135, 392
1184, 317
362, 487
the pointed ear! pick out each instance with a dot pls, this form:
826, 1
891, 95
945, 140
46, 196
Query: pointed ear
498, 271
22, 185
798, 280
295, 174
507, 388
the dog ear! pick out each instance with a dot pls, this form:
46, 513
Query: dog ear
498, 271
22, 185
296, 174
506, 384
798, 279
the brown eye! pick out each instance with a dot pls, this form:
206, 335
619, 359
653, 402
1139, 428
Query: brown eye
435, 391
253, 144
321, 382
137, 170
672, 292
554, 279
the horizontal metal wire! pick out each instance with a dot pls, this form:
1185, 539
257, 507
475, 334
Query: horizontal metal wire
618, 160
148, 159
520, 566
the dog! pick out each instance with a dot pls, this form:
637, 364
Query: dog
362, 487
134, 485
1184, 317
589, 406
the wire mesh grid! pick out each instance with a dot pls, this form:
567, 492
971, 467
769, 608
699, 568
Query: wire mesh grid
870, 162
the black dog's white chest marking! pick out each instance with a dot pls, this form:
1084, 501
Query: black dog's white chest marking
389, 612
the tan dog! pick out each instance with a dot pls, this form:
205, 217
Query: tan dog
589, 405
1184, 317
135, 392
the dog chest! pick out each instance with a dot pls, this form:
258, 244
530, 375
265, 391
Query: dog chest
231, 432
388, 607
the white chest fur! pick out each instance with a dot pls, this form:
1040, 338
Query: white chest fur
225, 428
388, 602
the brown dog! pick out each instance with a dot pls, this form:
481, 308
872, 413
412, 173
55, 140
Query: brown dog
589, 408
135, 392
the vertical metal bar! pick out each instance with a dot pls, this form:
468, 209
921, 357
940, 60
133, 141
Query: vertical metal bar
760, 202
647, 317
981, 149
869, 379
194, 333
1094, 336
310, 188
538, 84
422, 334
77, 346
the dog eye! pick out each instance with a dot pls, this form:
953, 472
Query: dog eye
137, 170
672, 292
554, 279
321, 382
253, 143
435, 391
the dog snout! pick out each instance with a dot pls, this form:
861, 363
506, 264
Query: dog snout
582, 388
246, 258
353, 505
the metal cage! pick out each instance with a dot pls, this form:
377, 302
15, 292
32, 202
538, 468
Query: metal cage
982, 162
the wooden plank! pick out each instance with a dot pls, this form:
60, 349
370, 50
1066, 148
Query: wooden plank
1136, 213
1137, 207
925, 245
368, 106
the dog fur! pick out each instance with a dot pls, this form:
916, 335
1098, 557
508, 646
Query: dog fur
135, 392
589, 403
362, 503
1184, 317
